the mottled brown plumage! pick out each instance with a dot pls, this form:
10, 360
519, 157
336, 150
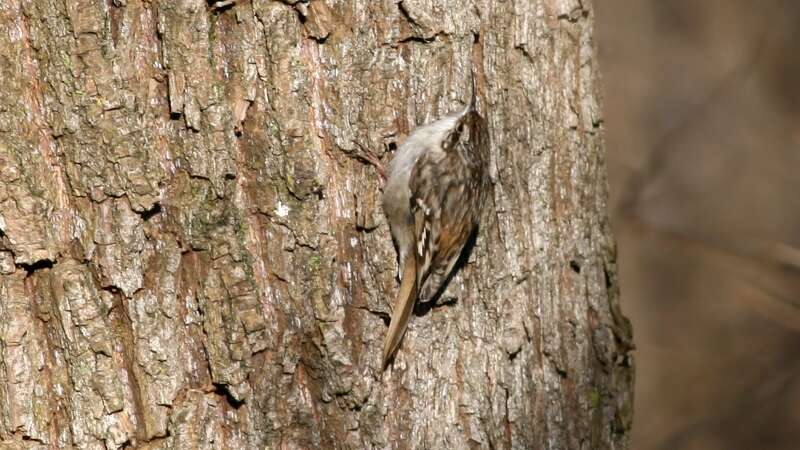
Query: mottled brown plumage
435, 191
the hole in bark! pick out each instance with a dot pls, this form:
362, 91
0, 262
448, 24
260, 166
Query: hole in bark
149, 213
300, 14
38, 265
320, 40
222, 391
111, 289
384, 316
418, 39
576, 267
29, 438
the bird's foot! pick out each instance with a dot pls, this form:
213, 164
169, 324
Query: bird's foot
369, 157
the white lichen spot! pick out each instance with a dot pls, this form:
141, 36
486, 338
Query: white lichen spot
282, 210
353, 242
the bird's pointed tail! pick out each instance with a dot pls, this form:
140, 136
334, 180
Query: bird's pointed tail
401, 312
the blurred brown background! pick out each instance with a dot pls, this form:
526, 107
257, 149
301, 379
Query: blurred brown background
702, 104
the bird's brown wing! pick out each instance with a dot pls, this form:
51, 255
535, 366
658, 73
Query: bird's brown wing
442, 223
426, 211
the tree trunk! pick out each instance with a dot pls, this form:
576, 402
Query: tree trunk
193, 258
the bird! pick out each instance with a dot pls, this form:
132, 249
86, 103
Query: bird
435, 190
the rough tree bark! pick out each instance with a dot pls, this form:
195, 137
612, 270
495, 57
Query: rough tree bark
192, 258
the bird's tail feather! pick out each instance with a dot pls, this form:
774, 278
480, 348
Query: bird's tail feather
403, 306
